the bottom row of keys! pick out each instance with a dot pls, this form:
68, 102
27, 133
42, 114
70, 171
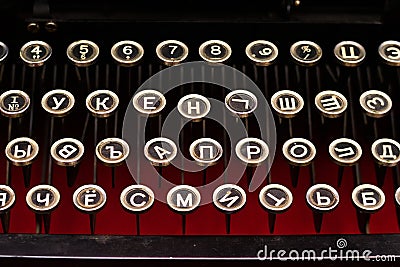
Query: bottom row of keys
184, 198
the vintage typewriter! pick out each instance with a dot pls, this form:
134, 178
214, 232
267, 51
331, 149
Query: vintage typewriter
195, 132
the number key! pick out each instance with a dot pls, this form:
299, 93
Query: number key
127, 53
35, 53
172, 52
83, 53
215, 51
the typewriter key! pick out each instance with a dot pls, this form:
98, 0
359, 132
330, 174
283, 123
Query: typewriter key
102, 103
89, 198
7, 198
345, 151
368, 197
262, 52
127, 53
43, 198
252, 151
349, 53
215, 51
331, 104
306, 53
194, 106
397, 197
287, 103
299, 151
58, 102
83, 53
241, 102
149, 102
14, 103
206, 151
35, 53
172, 52
112, 151
386, 152
229, 198
67, 151
375, 103
390, 52
3, 52
137, 198
183, 198
22, 151
160, 151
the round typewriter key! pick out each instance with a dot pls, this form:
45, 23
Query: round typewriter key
83, 53
58, 102
262, 52
345, 151
160, 151
322, 197
375, 103
22, 151
102, 103
43, 198
89, 198
349, 53
299, 151
229, 198
206, 151
127, 53
306, 53
390, 52
332, 104
112, 151
287, 103
7, 198
67, 151
275, 197
241, 102
35, 53
386, 152
137, 198
3, 51
215, 51
183, 198
194, 106
149, 102
368, 197
252, 151
172, 52
397, 196
14, 103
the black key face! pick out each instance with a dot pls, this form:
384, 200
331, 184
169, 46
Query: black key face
262, 52
67, 151
275, 197
35, 53
3, 51
299, 151
367, 197
229, 198
127, 53
390, 52
331, 104
7, 198
206, 151
252, 150
160, 151
149, 102
112, 151
349, 53
14, 103
172, 52
83, 53
89, 198
345, 151
183, 198
322, 197
58, 102
287, 103
22, 151
43, 198
194, 106
137, 198
386, 152
215, 51
306, 52
375, 103
241, 102
102, 103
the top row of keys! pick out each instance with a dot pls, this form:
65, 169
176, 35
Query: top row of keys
127, 53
